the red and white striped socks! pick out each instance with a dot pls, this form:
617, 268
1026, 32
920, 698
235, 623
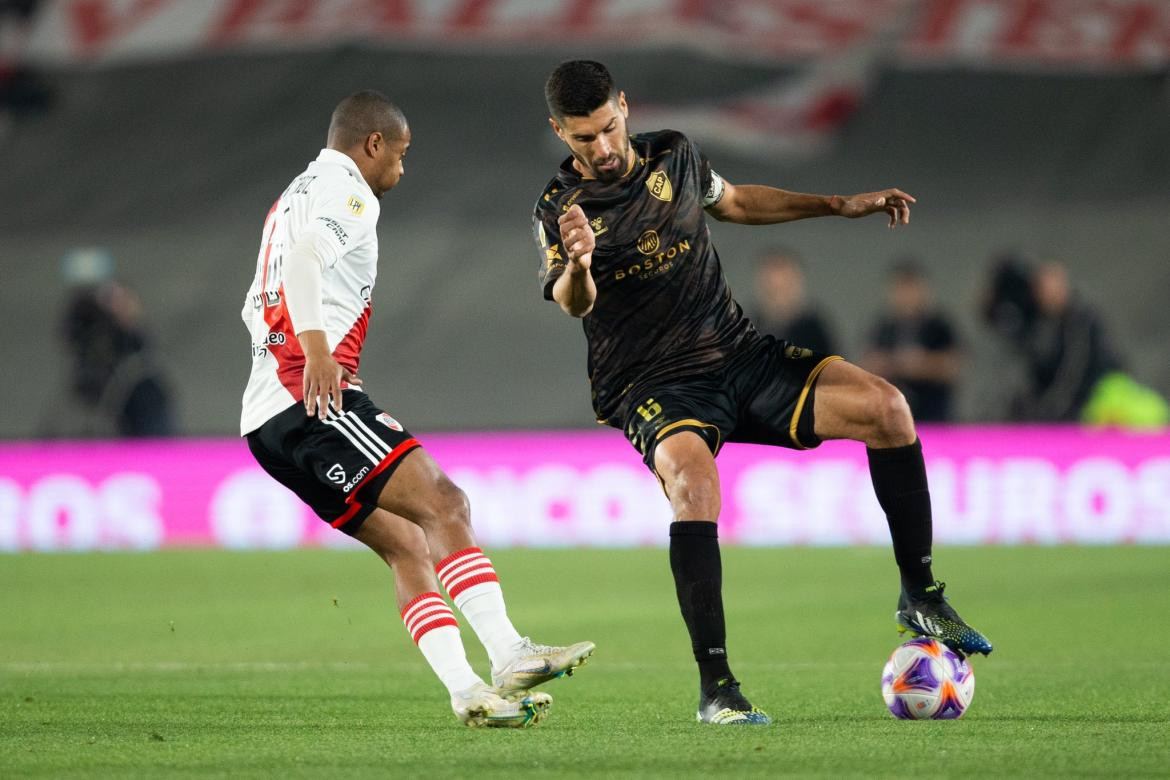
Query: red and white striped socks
433, 628
471, 582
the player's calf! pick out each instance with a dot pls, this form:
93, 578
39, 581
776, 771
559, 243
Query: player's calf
419, 491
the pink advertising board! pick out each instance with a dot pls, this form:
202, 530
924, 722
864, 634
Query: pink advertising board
1041, 485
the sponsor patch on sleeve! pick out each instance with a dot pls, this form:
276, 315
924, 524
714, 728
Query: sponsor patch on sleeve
335, 227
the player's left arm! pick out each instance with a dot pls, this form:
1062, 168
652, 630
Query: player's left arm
757, 204
340, 220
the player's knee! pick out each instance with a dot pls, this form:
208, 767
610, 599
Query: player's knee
892, 420
440, 506
694, 496
399, 544
452, 504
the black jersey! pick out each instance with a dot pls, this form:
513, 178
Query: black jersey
663, 308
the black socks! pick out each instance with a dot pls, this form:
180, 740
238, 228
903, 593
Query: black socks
899, 480
698, 581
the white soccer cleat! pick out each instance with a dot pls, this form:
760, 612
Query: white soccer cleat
534, 664
481, 705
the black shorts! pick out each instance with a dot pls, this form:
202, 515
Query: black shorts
339, 466
762, 395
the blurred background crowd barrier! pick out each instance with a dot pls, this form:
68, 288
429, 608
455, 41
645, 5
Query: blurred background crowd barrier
143, 141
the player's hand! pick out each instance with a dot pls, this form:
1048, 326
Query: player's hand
893, 202
578, 238
322, 384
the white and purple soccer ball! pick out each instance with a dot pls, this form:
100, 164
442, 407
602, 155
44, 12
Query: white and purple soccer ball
926, 680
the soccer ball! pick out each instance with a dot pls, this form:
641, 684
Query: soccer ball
924, 679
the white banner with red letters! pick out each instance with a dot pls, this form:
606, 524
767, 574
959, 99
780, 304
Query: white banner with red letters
1076, 34
988, 486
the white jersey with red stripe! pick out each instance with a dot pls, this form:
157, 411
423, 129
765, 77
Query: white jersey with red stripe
331, 203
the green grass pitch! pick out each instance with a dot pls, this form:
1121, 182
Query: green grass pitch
296, 664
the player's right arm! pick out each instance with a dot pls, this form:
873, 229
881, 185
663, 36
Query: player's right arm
569, 281
575, 290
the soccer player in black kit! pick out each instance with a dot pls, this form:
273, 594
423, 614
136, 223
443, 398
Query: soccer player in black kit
675, 364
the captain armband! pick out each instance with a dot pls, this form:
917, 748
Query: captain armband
715, 191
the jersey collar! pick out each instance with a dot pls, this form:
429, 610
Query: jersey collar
335, 157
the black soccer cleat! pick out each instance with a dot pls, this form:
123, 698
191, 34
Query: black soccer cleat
724, 705
930, 614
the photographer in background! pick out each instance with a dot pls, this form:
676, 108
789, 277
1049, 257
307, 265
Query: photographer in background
1072, 372
113, 374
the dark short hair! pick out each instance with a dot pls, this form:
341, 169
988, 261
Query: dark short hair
1009, 305
363, 113
578, 88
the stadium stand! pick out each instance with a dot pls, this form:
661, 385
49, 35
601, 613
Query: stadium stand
171, 166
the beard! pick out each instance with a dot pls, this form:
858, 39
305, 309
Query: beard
609, 176
621, 157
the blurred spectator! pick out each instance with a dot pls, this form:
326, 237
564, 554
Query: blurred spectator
1066, 350
1073, 372
113, 373
914, 346
1009, 307
781, 308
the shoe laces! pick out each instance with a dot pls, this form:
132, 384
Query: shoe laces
528, 647
727, 692
935, 591
933, 595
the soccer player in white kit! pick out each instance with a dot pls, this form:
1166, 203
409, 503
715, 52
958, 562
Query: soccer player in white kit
312, 428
